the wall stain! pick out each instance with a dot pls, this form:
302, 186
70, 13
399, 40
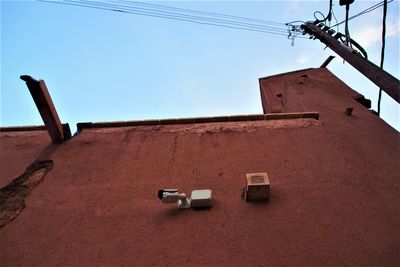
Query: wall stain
174, 148
12, 196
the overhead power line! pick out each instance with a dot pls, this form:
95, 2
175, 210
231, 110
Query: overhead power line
371, 8
200, 12
180, 14
163, 12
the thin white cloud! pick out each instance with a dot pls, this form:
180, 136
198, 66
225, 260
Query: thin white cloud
292, 6
369, 35
303, 58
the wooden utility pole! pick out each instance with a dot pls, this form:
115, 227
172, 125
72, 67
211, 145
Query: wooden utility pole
378, 76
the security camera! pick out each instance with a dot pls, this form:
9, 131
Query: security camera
174, 196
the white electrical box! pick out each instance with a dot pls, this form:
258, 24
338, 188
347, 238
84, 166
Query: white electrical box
201, 198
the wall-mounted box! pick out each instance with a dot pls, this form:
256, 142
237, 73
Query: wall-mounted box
257, 187
201, 198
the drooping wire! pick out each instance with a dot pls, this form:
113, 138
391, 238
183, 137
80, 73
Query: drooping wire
327, 17
382, 50
320, 13
346, 27
383, 33
295, 30
344, 38
330, 12
337, 25
339, 36
371, 8
295, 21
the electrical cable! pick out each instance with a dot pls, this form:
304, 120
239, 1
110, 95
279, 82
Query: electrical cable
175, 17
295, 21
337, 25
178, 15
339, 35
382, 50
325, 18
316, 19
200, 12
346, 27
233, 24
371, 8
329, 16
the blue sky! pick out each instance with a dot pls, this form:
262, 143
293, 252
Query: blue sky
106, 66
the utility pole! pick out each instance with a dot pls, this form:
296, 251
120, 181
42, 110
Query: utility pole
375, 74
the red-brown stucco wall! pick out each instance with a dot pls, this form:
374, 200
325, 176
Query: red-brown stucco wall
18, 150
334, 193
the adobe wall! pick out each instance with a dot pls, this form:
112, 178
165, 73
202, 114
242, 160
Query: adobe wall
18, 150
334, 193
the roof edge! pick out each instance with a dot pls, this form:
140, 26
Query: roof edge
23, 128
286, 73
28, 128
233, 118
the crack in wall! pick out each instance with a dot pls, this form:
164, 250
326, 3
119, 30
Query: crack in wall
12, 196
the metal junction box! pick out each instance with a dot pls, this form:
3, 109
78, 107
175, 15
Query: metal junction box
257, 186
201, 198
